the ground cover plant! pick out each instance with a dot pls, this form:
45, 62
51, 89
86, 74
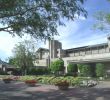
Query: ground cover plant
51, 80
45, 79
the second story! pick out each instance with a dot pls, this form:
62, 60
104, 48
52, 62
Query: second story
87, 50
55, 50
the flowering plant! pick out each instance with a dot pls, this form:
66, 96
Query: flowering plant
62, 83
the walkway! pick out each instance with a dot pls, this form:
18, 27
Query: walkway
19, 91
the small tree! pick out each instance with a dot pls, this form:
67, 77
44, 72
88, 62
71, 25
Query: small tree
72, 68
23, 55
100, 70
57, 66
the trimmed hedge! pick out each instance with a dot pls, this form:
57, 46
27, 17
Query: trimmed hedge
71, 68
38, 71
85, 70
100, 70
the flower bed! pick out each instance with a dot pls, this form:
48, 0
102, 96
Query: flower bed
31, 82
46, 79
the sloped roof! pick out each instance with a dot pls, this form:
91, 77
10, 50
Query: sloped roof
42, 49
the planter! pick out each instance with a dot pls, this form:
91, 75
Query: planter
7, 80
31, 82
63, 87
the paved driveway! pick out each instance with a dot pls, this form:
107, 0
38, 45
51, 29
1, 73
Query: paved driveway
19, 91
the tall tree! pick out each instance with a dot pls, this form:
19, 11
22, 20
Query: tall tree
38, 18
24, 55
12, 61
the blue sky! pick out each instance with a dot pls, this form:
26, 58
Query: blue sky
75, 34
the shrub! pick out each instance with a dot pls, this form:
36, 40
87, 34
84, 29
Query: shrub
100, 70
57, 66
38, 71
71, 68
23, 78
3, 73
80, 67
17, 72
85, 70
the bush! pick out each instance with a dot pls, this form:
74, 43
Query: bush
100, 70
72, 69
80, 67
85, 70
57, 66
3, 73
38, 71
17, 72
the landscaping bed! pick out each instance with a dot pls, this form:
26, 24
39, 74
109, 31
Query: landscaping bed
51, 80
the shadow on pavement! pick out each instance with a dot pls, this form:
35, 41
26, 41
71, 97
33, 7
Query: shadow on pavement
20, 91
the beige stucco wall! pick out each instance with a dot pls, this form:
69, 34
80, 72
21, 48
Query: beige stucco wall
43, 62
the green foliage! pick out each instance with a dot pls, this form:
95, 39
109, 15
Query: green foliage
39, 18
80, 67
13, 61
71, 68
3, 73
85, 69
44, 79
100, 70
17, 71
102, 21
24, 56
57, 65
38, 71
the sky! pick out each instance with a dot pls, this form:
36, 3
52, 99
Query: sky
75, 34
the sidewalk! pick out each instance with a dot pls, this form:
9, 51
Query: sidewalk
20, 91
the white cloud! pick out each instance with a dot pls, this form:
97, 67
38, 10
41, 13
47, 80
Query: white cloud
80, 17
91, 39
64, 33
70, 35
7, 43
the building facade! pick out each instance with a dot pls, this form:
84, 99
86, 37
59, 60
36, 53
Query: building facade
86, 54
